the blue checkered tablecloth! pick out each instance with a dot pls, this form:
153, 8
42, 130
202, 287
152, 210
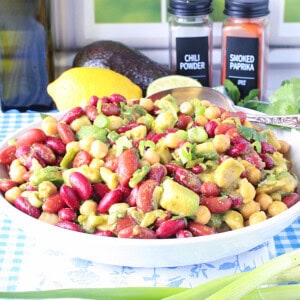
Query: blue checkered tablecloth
25, 266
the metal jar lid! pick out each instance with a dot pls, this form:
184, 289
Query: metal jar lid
190, 7
246, 8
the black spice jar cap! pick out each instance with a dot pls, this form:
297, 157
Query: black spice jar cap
246, 8
190, 7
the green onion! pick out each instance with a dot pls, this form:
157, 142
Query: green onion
126, 293
279, 278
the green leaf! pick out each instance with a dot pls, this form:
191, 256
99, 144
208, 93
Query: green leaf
251, 134
232, 90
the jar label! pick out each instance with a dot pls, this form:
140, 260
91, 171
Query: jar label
242, 63
192, 58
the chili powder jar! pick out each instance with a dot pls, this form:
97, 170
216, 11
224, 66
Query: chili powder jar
190, 39
245, 45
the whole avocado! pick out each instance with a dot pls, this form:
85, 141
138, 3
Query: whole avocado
122, 59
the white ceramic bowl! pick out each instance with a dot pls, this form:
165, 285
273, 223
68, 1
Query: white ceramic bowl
154, 253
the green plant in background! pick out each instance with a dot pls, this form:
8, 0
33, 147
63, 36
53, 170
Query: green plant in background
291, 14
124, 11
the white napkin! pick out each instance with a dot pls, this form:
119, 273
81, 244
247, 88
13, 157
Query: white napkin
47, 269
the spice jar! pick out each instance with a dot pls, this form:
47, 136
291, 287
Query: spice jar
190, 39
245, 45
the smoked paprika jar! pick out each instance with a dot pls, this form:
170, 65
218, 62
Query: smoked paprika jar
245, 45
190, 39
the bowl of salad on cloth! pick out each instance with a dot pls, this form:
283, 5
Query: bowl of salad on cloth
150, 183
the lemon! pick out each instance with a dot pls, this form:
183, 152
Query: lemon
75, 86
170, 82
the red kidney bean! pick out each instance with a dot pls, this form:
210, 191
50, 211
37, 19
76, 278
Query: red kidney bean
216, 205
117, 98
23, 205
69, 196
160, 220
237, 201
255, 160
110, 198
223, 128
237, 114
81, 185
94, 100
45, 153
197, 169
65, 133
267, 160
123, 223
183, 234
8, 154
111, 109
144, 196
6, 184
34, 135
267, 147
131, 200
170, 227
188, 179
291, 199
239, 149
171, 168
137, 232
198, 229
111, 163
56, 145
82, 158
72, 114
209, 188
26, 154
125, 190
67, 214
107, 233
100, 189
157, 172
127, 165
53, 204
69, 226
183, 121
210, 127
128, 126
91, 112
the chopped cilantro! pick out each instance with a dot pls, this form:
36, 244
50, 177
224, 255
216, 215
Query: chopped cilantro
251, 134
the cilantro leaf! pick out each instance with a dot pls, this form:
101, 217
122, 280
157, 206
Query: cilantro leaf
251, 134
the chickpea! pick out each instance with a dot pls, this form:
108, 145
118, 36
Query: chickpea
206, 103
73, 145
201, 120
99, 149
212, 112
147, 103
234, 219
221, 143
284, 147
115, 122
264, 200
253, 175
17, 171
203, 215
49, 125
257, 217
88, 207
186, 108
276, 207
46, 189
151, 156
172, 140
79, 122
86, 143
247, 209
12, 194
96, 163
49, 218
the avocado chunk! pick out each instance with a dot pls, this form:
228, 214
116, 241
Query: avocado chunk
178, 199
120, 58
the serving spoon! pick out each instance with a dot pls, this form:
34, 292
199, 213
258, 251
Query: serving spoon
214, 96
